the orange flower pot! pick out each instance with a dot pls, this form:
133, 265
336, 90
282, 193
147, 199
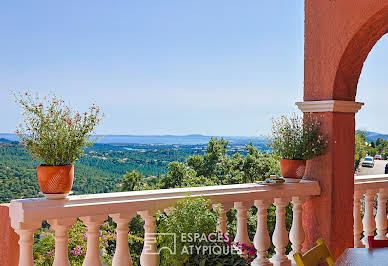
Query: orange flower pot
292, 168
55, 179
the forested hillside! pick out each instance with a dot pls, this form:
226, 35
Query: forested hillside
103, 166
100, 170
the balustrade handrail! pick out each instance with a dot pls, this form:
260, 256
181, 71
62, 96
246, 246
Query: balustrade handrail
367, 182
38, 209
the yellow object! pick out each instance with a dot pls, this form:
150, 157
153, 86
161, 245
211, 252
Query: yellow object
315, 255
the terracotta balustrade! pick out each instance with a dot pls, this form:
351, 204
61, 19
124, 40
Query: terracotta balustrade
27, 215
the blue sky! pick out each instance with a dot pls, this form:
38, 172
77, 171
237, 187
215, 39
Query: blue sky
168, 67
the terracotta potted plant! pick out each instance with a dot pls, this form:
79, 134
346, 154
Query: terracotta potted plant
295, 140
55, 135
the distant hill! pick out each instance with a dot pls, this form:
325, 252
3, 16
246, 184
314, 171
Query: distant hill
180, 140
9, 136
172, 139
373, 136
4, 140
160, 139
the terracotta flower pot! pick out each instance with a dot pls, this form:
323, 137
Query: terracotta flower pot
55, 179
292, 168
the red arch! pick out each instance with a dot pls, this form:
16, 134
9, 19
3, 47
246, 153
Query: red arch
356, 52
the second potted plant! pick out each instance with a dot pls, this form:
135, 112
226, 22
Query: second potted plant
56, 136
296, 140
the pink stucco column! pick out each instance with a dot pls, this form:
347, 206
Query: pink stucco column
330, 215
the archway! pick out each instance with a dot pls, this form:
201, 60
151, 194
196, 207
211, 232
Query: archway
338, 38
352, 61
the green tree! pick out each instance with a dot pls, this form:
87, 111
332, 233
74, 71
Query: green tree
178, 172
257, 165
379, 141
210, 164
361, 148
217, 165
131, 181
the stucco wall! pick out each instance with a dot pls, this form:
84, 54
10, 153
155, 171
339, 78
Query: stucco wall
9, 247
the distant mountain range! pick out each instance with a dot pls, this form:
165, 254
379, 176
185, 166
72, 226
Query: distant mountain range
182, 140
157, 139
372, 136
3, 140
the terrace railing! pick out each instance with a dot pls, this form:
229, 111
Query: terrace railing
367, 190
27, 216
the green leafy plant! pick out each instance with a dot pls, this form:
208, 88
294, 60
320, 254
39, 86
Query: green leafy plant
193, 217
297, 138
52, 132
190, 215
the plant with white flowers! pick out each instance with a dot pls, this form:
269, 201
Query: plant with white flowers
297, 138
52, 132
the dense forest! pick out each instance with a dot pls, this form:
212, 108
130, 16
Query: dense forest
100, 170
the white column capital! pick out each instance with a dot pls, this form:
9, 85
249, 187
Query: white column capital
333, 106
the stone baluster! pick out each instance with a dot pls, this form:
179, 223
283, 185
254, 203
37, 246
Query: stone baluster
61, 226
261, 240
368, 221
122, 257
357, 227
149, 256
26, 240
242, 228
93, 223
223, 209
280, 235
381, 215
296, 233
